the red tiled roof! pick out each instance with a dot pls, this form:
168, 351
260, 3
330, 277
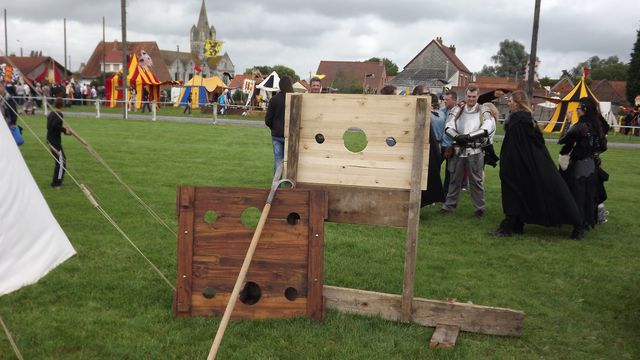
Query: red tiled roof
27, 64
563, 87
606, 90
450, 54
352, 73
305, 84
238, 80
113, 53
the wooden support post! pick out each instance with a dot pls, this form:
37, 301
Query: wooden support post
186, 198
317, 213
295, 119
413, 222
444, 337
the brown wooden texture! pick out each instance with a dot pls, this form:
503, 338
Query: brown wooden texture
186, 195
318, 212
413, 218
444, 337
282, 258
332, 115
469, 317
354, 205
292, 134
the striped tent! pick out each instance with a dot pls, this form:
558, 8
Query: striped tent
138, 77
569, 104
197, 88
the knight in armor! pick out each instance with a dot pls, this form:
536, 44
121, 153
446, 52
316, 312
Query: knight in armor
470, 127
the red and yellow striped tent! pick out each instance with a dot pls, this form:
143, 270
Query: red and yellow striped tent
137, 77
569, 105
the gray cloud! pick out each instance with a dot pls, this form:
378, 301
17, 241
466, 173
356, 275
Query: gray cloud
301, 33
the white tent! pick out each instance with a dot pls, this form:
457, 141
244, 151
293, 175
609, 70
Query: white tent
31, 240
605, 109
299, 88
271, 83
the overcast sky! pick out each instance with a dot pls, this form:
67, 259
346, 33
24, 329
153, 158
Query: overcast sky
300, 33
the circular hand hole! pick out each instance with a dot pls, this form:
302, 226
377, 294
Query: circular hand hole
319, 138
208, 292
355, 140
250, 217
210, 217
291, 293
293, 218
391, 141
251, 293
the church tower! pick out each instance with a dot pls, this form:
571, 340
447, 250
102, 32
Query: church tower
201, 32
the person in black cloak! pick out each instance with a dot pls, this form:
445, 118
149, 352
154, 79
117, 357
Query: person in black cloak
533, 192
435, 191
583, 143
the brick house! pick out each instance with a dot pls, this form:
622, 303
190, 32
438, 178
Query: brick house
352, 76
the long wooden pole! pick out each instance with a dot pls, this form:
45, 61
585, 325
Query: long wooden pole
534, 49
245, 266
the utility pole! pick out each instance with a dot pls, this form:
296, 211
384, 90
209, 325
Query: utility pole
6, 42
534, 47
65, 48
125, 88
104, 50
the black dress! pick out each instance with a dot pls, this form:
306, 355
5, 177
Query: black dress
584, 176
533, 191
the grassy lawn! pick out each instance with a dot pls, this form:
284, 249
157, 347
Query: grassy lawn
580, 297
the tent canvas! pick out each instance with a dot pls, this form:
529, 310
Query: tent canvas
31, 240
271, 83
569, 104
299, 88
198, 88
607, 113
138, 77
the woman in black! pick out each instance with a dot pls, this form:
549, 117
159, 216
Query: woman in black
583, 143
533, 191
55, 127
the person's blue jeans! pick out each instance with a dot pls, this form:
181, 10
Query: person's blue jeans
278, 151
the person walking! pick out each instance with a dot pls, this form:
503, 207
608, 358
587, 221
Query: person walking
533, 191
274, 119
55, 127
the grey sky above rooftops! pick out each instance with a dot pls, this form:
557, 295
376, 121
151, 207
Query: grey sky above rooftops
299, 34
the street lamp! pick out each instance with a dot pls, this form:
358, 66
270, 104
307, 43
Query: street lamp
20, 42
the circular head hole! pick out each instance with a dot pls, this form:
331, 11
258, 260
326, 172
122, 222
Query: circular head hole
355, 140
251, 293
319, 138
250, 217
291, 293
391, 141
293, 218
210, 217
208, 292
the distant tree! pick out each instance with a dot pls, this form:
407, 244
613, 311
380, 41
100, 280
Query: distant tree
546, 81
264, 70
610, 68
633, 75
510, 60
390, 67
280, 69
284, 70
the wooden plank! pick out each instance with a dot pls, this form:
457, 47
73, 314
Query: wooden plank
413, 227
293, 131
354, 205
315, 277
444, 337
185, 250
469, 317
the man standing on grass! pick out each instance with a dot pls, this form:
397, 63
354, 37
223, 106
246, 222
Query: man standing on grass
470, 128
55, 127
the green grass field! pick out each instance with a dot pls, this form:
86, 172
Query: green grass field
580, 297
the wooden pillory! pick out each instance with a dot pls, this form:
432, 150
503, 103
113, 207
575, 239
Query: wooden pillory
380, 185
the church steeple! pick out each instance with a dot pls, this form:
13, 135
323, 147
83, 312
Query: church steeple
201, 31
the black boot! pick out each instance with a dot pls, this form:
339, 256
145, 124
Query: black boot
504, 230
577, 233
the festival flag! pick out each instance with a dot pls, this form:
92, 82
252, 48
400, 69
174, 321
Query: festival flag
319, 76
197, 68
211, 48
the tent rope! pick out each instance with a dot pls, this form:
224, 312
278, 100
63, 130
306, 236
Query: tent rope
93, 201
13, 344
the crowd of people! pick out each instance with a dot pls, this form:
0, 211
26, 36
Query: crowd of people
534, 190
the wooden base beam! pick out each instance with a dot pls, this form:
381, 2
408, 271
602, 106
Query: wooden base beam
467, 317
